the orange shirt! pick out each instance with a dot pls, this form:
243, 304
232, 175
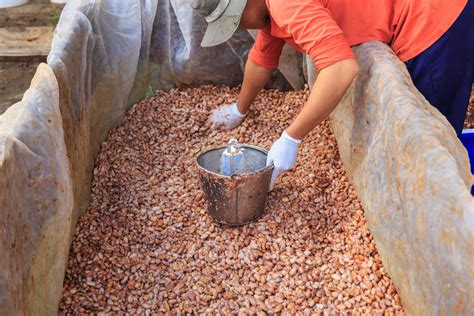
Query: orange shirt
325, 29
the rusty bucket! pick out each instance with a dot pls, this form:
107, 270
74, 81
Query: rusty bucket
235, 180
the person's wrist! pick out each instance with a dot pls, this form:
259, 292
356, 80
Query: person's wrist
238, 111
295, 133
290, 138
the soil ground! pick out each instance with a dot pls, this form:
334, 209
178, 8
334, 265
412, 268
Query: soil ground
16, 75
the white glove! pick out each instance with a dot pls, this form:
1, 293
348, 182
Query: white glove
283, 154
226, 117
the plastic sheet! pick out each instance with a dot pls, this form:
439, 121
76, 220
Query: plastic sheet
36, 201
412, 175
177, 60
97, 48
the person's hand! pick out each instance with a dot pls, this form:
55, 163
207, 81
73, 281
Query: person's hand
283, 154
226, 117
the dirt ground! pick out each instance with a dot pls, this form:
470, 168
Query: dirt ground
15, 79
35, 13
16, 74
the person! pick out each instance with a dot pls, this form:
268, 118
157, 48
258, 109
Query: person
435, 39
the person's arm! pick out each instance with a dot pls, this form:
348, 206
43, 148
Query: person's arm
229, 116
263, 58
313, 29
330, 86
255, 78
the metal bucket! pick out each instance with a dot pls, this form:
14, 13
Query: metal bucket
239, 198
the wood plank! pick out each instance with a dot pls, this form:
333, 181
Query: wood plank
25, 41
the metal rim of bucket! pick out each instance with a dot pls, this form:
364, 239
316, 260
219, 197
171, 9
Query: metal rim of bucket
269, 167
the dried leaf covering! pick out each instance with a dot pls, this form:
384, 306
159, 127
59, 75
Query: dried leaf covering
146, 245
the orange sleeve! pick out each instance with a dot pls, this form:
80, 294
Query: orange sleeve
266, 50
313, 29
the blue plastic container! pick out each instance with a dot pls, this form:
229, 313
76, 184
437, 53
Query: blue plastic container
467, 138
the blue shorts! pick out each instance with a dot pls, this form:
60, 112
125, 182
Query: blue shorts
444, 73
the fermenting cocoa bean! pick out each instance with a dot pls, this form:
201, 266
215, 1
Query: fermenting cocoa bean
146, 244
